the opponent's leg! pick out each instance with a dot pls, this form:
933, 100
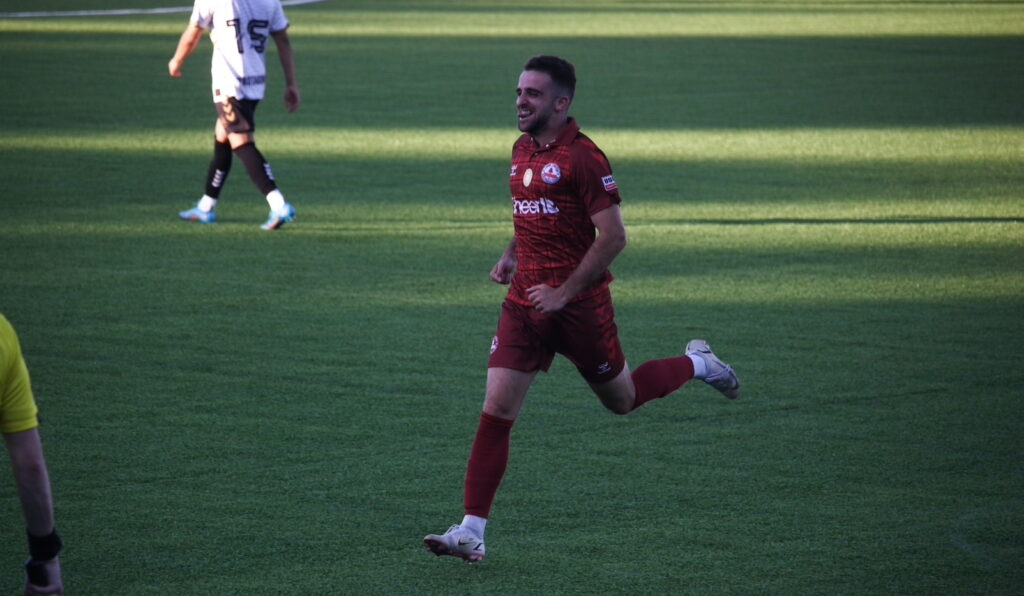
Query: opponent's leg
257, 167
216, 175
236, 123
220, 167
263, 177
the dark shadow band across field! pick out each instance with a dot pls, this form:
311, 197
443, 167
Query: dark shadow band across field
686, 83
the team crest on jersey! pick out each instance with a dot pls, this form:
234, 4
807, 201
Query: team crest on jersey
551, 173
527, 176
609, 183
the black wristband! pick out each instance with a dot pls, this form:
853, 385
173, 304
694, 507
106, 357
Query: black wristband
37, 573
44, 548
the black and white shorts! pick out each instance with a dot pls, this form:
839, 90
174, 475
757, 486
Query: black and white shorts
237, 115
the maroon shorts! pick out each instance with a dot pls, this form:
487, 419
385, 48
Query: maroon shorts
584, 332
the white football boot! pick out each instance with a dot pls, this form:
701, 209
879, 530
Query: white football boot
457, 542
719, 375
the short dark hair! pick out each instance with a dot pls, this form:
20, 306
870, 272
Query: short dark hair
561, 71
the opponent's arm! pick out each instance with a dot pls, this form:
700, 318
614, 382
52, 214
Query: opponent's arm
610, 241
186, 45
503, 272
292, 98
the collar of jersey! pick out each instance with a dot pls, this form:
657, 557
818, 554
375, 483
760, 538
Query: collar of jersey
568, 134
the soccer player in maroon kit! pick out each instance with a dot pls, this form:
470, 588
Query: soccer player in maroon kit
568, 231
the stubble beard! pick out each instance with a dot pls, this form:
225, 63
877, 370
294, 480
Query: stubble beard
538, 125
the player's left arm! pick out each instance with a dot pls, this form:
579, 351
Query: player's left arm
186, 45
292, 98
610, 241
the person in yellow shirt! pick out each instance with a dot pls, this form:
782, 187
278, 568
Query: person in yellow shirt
19, 424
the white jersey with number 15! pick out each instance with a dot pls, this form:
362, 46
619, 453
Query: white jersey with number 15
240, 31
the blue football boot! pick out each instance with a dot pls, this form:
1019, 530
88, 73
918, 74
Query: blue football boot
280, 217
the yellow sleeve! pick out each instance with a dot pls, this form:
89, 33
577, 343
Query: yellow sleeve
18, 411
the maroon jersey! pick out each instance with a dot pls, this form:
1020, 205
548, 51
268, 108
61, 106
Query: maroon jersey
555, 190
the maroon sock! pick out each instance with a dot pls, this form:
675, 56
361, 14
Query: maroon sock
658, 378
487, 463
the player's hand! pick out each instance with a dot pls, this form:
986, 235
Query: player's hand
503, 272
546, 299
292, 98
174, 67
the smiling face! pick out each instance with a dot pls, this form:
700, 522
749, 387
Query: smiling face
541, 106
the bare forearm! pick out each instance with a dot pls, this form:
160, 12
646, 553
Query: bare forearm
287, 57
187, 44
37, 501
599, 257
506, 268
33, 481
292, 97
510, 251
610, 240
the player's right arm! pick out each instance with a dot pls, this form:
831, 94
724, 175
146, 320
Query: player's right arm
610, 241
503, 272
186, 45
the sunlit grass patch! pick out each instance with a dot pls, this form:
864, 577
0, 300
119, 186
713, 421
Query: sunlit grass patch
697, 20
610, 20
937, 145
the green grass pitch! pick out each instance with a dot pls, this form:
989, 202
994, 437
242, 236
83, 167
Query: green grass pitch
831, 193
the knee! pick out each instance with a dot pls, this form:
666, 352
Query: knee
500, 410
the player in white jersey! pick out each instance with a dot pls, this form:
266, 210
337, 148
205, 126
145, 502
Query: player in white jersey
239, 30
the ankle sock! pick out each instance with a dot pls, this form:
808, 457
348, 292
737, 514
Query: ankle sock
475, 524
700, 367
207, 203
276, 200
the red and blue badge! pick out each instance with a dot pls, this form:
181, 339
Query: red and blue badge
551, 173
609, 183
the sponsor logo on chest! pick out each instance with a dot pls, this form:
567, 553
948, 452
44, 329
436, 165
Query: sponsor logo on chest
551, 173
534, 207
